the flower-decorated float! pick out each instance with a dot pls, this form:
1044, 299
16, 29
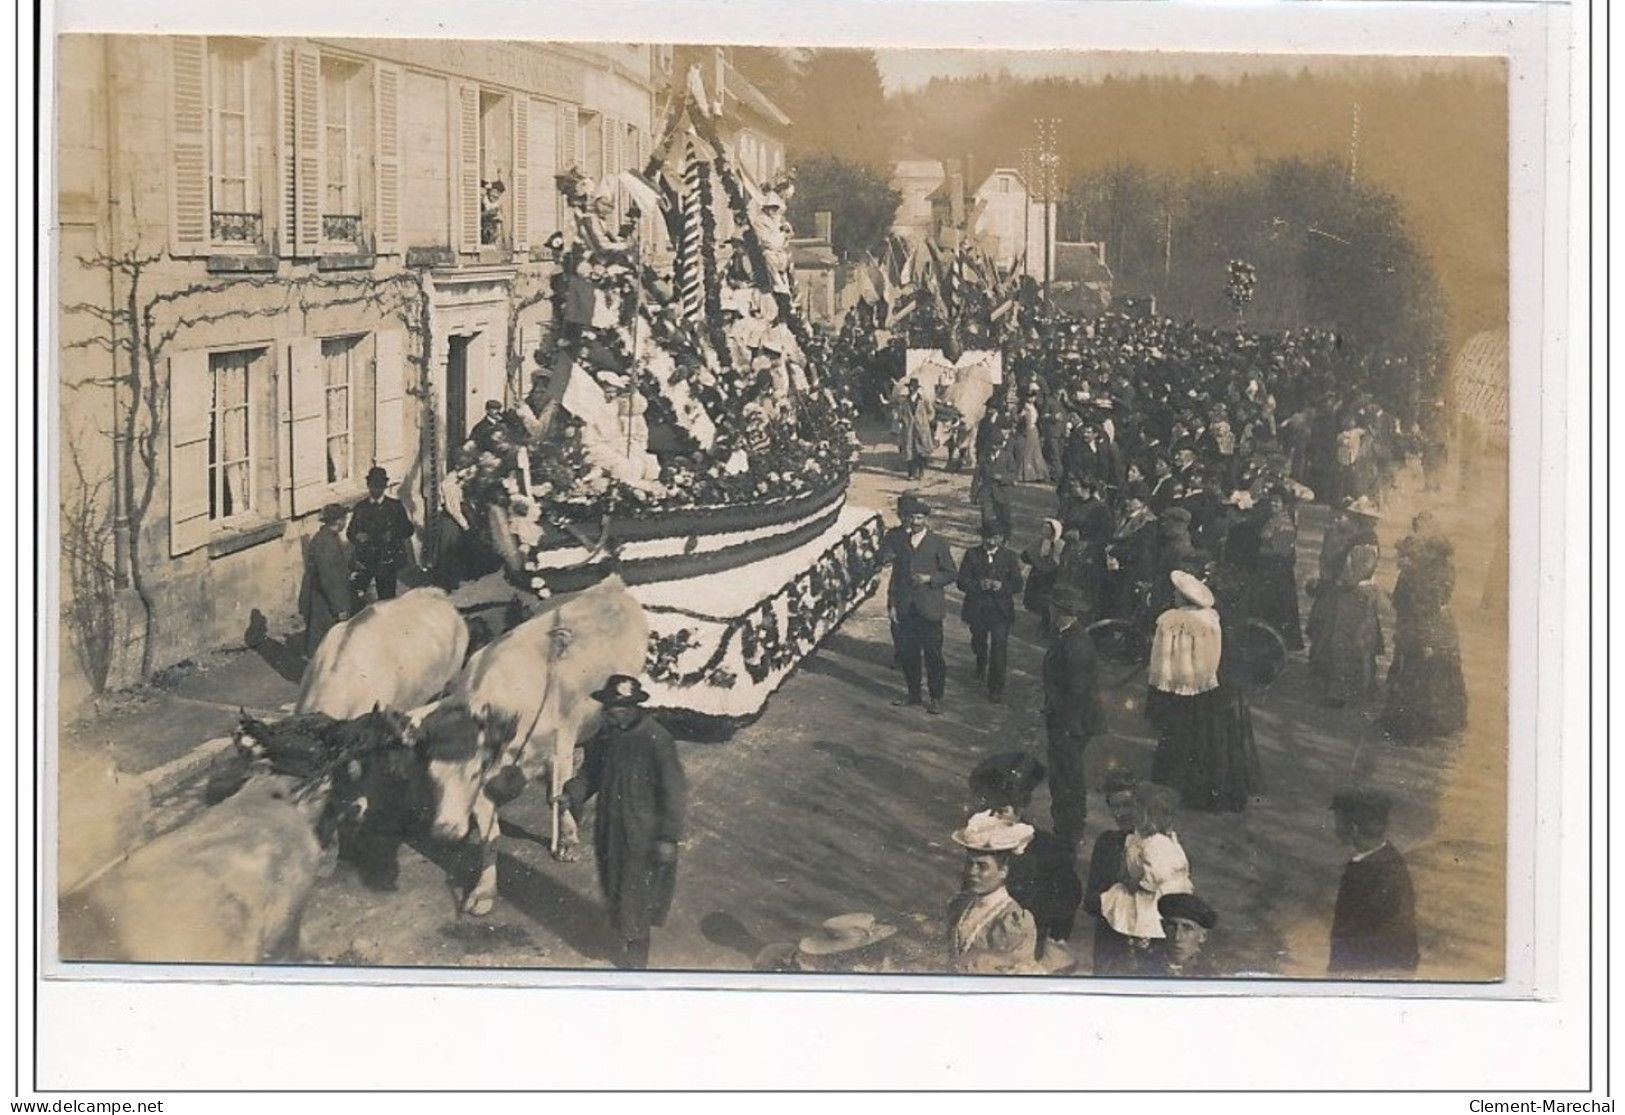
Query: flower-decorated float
684, 437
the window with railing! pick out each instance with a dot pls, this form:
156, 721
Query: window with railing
342, 119
234, 208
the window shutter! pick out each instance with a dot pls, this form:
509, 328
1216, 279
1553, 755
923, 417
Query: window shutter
387, 112
287, 99
389, 400
307, 127
544, 156
521, 174
569, 157
496, 365
307, 412
191, 407
466, 167
189, 147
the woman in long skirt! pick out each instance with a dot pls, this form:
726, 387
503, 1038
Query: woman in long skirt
1184, 704
1345, 636
1275, 586
1427, 695
1030, 444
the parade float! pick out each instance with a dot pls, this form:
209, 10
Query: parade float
685, 438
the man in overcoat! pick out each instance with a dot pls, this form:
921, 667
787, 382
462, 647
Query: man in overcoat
381, 536
631, 766
1374, 922
990, 577
916, 428
324, 594
922, 566
1073, 712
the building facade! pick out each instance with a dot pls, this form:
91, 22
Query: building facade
283, 262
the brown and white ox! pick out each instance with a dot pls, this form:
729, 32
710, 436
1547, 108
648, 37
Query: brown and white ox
395, 654
540, 676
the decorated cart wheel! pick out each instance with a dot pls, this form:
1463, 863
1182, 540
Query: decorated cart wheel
1262, 654
1122, 648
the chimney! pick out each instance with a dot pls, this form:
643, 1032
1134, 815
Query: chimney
821, 224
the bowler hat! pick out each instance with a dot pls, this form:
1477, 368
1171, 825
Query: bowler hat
376, 475
1187, 907
621, 691
911, 504
993, 530
1007, 778
1367, 808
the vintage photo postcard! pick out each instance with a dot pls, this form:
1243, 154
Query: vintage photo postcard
821, 515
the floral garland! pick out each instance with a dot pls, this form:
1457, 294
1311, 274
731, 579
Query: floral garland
810, 605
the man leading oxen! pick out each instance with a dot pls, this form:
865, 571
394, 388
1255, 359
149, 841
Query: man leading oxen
541, 675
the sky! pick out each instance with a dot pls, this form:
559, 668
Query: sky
901, 70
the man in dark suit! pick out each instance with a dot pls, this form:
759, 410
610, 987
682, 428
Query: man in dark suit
324, 594
381, 535
1374, 923
922, 566
990, 577
1072, 709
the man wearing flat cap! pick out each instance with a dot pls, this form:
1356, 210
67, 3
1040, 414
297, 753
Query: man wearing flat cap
1374, 922
381, 535
631, 766
1187, 919
922, 566
324, 593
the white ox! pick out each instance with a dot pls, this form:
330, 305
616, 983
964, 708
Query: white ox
540, 676
397, 654
228, 888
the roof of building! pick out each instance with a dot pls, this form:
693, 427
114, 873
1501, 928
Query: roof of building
930, 169
998, 172
737, 87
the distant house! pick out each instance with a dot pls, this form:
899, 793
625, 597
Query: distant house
1009, 224
750, 123
815, 270
919, 181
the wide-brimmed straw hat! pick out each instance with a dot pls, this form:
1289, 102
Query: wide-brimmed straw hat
845, 934
988, 832
1191, 589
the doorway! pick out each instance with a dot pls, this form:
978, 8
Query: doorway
457, 389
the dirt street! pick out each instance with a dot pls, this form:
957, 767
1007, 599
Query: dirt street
834, 801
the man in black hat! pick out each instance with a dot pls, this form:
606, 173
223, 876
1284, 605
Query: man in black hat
922, 566
1187, 919
381, 534
492, 431
990, 577
916, 422
631, 765
324, 593
1374, 923
1072, 709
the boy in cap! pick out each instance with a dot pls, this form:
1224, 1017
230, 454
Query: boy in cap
1187, 919
922, 566
631, 765
1374, 922
990, 577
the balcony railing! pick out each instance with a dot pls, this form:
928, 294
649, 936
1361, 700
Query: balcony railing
341, 228
236, 228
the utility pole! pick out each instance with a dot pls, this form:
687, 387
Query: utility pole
1354, 144
1049, 162
1027, 188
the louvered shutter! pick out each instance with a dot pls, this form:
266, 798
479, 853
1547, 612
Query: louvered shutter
389, 400
569, 156
189, 146
496, 368
307, 145
387, 115
287, 100
191, 412
544, 162
307, 412
521, 174
465, 156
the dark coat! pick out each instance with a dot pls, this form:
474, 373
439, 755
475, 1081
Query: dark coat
1044, 879
932, 557
1071, 685
380, 533
642, 794
324, 594
1374, 923
985, 606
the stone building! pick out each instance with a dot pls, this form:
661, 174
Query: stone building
284, 261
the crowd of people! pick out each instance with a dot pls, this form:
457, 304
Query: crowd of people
1180, 460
